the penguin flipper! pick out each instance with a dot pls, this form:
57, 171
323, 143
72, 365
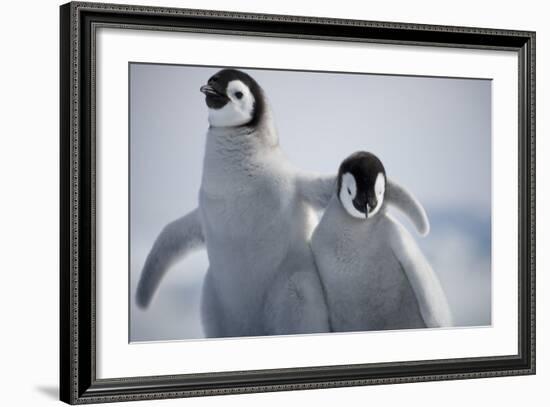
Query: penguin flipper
399, 197
317, 189
176, 240
429, 293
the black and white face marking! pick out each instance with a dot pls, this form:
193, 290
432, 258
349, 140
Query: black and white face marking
233, 99
361, 185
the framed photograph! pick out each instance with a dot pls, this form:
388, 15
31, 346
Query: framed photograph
255, 203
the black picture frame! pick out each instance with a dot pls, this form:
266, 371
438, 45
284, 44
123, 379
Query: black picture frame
78, 381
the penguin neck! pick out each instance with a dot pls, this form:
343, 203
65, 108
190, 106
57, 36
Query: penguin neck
243, 141
237, 154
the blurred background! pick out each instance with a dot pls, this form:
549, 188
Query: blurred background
432, 134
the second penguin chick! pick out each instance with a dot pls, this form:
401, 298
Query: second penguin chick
374, 275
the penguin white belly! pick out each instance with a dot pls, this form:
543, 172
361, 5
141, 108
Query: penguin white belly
365, 285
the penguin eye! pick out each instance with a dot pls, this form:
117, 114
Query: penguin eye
349, 191
238, 95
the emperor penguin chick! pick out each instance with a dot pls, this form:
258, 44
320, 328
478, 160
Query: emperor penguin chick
374, 275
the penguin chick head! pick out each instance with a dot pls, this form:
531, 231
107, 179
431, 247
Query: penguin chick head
233, 98
361, 184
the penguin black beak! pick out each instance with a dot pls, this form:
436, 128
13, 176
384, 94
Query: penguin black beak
209, 90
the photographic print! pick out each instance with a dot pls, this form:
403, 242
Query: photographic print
277, 202
255, 202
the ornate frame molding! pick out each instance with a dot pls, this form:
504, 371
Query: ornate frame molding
78, 382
